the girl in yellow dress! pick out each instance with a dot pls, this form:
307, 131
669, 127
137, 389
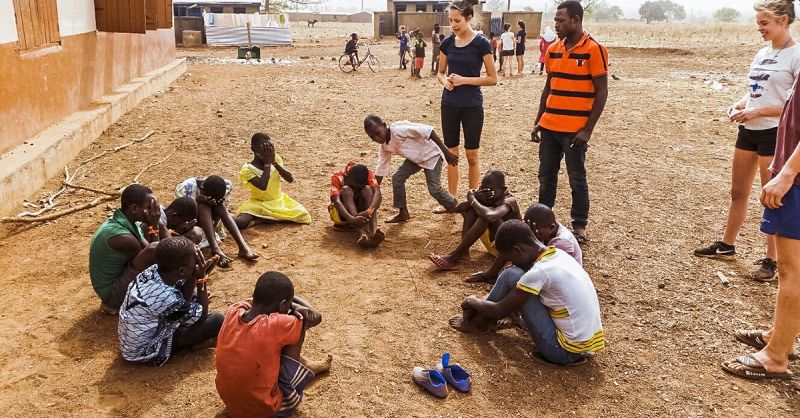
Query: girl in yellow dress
262, 177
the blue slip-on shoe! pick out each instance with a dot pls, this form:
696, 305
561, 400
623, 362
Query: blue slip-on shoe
454, 374
431, 380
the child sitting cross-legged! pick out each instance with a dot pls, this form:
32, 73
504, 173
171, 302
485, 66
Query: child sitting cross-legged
262, 176
211, 194
549, 289
159, 315
260, 371
484, 211
542, 222
355, 199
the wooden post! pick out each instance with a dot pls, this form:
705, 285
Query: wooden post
249, 38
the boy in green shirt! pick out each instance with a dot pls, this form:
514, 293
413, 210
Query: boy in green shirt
120, 250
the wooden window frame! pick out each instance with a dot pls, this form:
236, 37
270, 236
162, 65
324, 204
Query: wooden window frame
37, 24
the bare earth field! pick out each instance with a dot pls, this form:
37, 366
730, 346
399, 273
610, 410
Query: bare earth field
659, 167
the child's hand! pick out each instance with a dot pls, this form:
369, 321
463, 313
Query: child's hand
359, 220
484, 195
470, 196
451, 158
311, 318
152, 213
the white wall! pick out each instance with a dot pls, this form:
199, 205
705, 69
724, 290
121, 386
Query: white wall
74, 16
8, 23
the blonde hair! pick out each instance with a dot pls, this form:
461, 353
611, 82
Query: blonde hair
777, 8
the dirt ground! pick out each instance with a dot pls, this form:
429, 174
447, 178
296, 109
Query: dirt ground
659, 166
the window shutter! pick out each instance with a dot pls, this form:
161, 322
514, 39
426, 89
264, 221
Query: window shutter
37, 23
123, 16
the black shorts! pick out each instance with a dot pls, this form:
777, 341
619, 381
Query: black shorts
760, 141
520, 50
505, 53
453, 118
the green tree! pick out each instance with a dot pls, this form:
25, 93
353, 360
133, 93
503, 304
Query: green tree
727, 14
588, 5
652, 11
661, 10
604, 12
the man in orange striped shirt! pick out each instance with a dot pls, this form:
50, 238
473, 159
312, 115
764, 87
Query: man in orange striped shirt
573, 98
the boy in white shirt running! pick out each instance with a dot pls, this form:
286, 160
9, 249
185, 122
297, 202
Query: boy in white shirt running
422, 149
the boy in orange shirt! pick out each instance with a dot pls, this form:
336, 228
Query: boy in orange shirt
260, 372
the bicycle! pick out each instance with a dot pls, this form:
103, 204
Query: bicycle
347, 65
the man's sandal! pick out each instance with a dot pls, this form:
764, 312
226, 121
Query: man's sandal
749, 368
755, 339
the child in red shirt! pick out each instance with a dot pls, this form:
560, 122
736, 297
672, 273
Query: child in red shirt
260, 372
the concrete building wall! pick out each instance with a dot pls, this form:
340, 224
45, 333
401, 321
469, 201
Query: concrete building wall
533, 22
41, 87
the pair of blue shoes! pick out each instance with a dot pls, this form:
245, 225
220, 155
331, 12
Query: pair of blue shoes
435, 381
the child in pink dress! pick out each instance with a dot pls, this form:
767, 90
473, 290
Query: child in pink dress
547, 39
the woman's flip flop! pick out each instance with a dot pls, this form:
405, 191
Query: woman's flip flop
749, 368
755, 339
454, 374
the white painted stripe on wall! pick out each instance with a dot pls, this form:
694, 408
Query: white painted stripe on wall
8, 22
75, 16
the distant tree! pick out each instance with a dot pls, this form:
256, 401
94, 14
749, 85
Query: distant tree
661, 10
294, 5
604, 12
674, 11
652, 11
495, 5
727, 15
528, 9
588, 5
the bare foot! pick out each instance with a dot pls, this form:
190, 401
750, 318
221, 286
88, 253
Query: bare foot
108, 310
479, 277
460, 324
319, 366
400, 217
364, 241
378, 238
248, 255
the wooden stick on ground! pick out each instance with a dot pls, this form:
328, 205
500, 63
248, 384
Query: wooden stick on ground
93, 203
121, 147
149, 166
98, 191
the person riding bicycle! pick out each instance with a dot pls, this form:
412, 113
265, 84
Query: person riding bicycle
351, 48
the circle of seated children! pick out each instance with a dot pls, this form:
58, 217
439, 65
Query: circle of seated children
147, 264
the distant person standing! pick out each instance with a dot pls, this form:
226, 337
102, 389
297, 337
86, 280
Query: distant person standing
404, 47
463, 54
436, 40
520, 49
572, 101
507, 49
547, 39
772, 73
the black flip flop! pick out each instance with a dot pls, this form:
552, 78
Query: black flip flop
749, 368
755, 339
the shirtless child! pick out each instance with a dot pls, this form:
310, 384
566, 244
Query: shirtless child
484, 211
542, 222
